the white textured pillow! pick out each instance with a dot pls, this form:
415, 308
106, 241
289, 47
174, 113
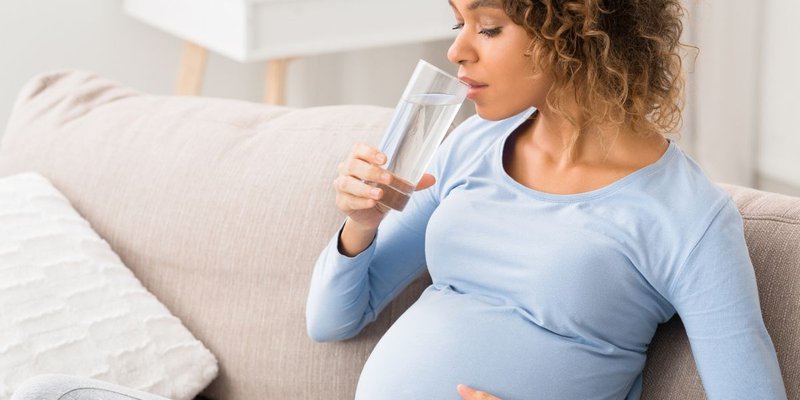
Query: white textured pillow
69, 305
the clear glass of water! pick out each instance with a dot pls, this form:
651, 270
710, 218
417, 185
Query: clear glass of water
421, 119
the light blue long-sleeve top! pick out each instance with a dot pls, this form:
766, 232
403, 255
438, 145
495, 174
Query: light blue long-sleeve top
545, 296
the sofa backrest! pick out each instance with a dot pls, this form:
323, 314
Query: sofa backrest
221, 207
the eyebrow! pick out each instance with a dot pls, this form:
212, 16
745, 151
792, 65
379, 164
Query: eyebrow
478, 4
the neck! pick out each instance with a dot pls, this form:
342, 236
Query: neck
610, 146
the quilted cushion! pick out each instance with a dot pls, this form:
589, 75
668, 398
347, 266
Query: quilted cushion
69, 305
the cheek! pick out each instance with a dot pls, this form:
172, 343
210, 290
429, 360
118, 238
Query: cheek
535, 84
517, 91
534, 91
520, 80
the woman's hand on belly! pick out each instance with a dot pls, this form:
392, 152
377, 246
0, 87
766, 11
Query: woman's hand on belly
468, 393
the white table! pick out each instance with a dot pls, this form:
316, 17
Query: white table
278, 31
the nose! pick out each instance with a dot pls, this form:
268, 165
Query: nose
461, 50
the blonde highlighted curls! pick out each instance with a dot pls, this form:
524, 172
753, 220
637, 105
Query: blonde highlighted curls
618, 60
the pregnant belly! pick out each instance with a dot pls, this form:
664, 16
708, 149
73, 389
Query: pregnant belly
447, 338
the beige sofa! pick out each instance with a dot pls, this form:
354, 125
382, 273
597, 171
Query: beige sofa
220, 208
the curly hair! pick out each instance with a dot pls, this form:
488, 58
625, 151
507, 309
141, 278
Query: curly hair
618, 60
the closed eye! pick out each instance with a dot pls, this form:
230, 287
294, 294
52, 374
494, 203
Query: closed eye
489, 32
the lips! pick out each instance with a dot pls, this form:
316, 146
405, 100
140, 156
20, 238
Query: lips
475, 87
471, 82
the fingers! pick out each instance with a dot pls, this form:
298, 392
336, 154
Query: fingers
369, 154
354, 184
349, 202
363, 164
363, 170
467, 393
349, 185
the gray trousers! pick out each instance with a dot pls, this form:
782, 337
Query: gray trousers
65, 387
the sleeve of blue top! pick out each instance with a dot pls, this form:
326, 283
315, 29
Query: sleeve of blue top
347, 293
716, 297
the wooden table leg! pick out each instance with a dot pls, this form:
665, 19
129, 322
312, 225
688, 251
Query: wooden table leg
193, 66
275, 82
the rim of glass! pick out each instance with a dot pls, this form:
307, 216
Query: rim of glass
441, 71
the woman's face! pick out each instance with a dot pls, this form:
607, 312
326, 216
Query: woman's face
489, 50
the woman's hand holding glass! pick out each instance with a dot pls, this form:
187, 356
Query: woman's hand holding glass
355, 197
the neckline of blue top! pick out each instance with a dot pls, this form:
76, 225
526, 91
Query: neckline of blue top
574, 197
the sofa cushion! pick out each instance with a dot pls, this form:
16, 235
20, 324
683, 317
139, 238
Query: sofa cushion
70, 306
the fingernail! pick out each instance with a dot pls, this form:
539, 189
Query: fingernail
380, 157
386, 178
375, 192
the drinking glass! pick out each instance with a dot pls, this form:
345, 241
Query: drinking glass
421, 119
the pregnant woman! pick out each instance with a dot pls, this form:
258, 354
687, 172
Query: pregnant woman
559, 225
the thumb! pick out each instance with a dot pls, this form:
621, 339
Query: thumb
468, 393
425, 182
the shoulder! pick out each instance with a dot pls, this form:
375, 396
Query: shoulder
672, 203
674, 207
683, 188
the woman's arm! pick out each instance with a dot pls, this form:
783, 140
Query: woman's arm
351, 284
347, 293
354, 239
716, 296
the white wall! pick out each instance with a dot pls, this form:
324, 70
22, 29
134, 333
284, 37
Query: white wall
744, 91
42, 35
780, 94
725, 85
740, 120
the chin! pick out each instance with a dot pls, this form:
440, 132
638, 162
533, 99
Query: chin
496, 113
